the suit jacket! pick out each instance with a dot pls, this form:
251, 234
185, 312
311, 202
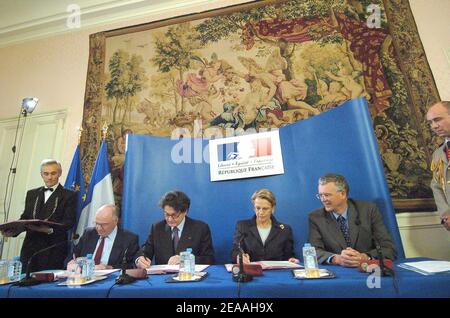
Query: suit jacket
196, 235
440, 179
60, 207
124, 241
279, 245
326, 236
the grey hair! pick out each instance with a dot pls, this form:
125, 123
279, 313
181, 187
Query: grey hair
444, 103
116, 213
340, 181
47, 162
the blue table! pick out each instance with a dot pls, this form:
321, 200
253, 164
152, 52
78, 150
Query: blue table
273, 284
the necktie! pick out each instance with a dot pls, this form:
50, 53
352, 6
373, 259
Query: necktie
98, 254
175, 239
447, 150
48, 189
344, 229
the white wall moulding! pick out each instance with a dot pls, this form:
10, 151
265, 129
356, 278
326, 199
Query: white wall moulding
423, 235
26, 20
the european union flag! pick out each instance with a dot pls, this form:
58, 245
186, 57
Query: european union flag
75, 182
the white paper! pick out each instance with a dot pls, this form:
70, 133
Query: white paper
162, 269
104, 272
280, 264
428, 267
269, 265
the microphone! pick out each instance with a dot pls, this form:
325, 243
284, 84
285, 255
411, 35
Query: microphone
239, 275
385, 270
124, 278
30, 281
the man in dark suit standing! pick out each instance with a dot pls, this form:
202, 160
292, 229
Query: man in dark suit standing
107, 243
51, 202
345, 231
175, 233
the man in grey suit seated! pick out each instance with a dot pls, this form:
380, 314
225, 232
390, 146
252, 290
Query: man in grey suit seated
175, 233
346, 231
107, 243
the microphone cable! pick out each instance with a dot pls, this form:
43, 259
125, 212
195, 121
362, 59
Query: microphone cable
110, 289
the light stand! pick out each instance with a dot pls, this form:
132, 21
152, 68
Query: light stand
28, 106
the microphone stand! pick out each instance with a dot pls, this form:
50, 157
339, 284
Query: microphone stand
30, 281
385, 271
124, 278
12, 174
241, 276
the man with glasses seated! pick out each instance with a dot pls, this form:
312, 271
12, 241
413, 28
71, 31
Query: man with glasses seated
107, 243
346, 231
174, 234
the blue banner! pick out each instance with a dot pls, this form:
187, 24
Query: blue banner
340, 140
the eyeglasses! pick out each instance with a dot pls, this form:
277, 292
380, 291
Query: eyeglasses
101, 225
172, 216
321, 196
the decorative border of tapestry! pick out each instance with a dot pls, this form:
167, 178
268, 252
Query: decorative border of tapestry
262, 65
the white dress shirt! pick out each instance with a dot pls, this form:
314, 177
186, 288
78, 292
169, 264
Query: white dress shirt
47, 194
107, 248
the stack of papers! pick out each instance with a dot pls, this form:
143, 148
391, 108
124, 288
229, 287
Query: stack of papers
270, 265
167, 269
427, 267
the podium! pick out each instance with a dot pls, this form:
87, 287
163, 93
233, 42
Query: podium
17, 227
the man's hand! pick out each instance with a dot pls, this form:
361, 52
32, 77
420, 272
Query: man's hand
294, 260
143, 262
174, 260
103, 266
349, 258
71, 265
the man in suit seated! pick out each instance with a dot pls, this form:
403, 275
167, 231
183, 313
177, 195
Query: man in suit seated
108, 243
345, 231
175, 233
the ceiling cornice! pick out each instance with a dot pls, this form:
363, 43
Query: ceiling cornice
102, 13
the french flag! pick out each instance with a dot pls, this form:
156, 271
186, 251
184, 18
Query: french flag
100, 191
248, 148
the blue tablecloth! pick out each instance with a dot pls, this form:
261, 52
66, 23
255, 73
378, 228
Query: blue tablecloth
273, 284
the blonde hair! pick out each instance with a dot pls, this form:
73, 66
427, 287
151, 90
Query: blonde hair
265, 194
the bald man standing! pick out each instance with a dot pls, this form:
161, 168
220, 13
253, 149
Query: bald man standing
438, 117
107, 242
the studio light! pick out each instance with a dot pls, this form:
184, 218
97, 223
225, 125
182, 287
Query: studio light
29, 104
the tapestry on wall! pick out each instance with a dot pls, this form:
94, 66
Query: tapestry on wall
264, 65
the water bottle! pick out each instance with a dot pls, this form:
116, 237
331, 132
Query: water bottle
310, 261
82, 269
90, 267
185, 266
191, 262
15, 269
4, 269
